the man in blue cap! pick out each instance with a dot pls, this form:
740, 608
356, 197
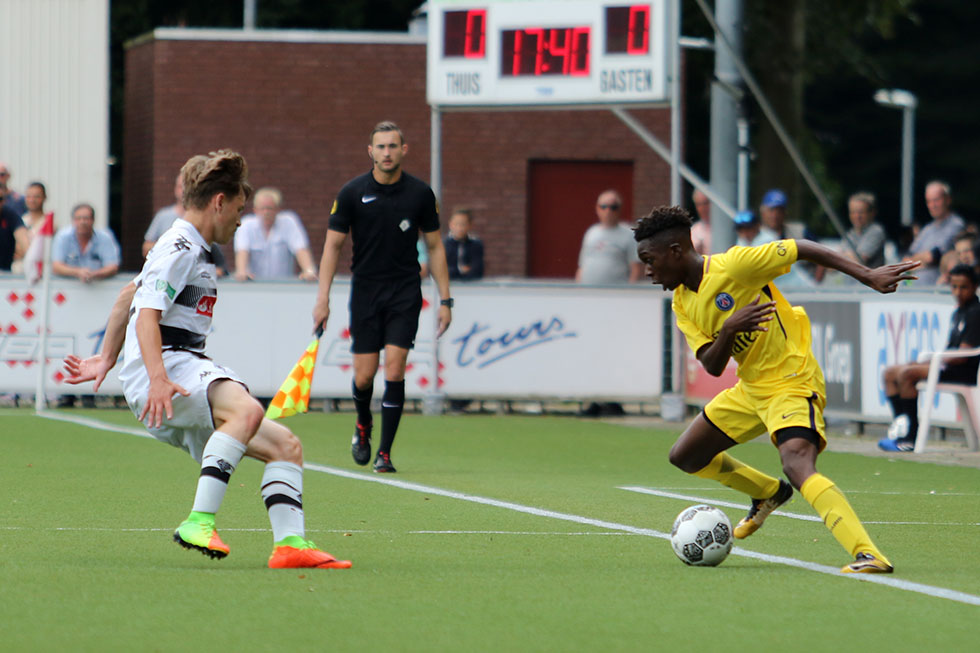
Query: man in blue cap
772, 215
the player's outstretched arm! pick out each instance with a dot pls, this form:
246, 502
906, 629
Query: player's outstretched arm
95, 368
884, 279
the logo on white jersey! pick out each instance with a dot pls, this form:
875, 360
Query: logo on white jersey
205, 305
367, 199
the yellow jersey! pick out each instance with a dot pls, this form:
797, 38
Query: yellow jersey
730, 281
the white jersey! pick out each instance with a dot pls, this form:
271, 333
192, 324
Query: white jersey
177, 279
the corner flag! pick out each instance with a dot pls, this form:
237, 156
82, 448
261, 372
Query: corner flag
294, 394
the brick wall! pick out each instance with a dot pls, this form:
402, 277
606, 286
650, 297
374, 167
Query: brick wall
301, 114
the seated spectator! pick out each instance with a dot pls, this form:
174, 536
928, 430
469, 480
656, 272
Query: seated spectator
900, 380
936, 237
464, 252
13, 199
962, 252
33, 218
746, 228
13, 236
267, 242
165, 217
82, 251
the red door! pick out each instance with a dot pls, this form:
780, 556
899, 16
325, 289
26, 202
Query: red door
561, 206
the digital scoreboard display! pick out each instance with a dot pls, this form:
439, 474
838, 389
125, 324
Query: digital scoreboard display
533, 53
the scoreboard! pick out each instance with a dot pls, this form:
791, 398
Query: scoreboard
530, 52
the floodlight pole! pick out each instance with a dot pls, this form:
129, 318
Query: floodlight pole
907, 102
432, 403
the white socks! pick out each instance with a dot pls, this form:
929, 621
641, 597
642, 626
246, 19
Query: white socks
282, 491
221, 456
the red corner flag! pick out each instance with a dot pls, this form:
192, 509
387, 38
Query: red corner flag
294, 393
34, 258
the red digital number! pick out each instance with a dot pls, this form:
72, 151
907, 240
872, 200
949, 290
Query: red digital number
638, 39
476, 34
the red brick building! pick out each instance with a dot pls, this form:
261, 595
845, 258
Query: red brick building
301, 105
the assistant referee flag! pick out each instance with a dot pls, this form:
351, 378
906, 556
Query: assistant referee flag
294, 394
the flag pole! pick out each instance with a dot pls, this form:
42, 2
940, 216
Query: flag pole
41, 359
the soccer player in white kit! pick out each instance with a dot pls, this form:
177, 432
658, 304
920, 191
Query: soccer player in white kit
182, 396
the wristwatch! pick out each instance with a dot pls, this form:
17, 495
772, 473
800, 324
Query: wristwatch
447, 302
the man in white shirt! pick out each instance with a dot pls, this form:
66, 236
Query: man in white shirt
268, 241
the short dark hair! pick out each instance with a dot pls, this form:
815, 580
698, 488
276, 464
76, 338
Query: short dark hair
83, 205
965, 270
386, 126
44, 190
662, 219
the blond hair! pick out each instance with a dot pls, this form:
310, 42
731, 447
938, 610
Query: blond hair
204, 176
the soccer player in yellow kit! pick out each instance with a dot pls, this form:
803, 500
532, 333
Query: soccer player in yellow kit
727, 307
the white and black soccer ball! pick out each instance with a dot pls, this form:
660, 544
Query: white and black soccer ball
702, 536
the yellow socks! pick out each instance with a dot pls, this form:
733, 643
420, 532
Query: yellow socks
837, 514
737, 475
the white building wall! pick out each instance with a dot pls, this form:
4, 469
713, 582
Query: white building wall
54, 100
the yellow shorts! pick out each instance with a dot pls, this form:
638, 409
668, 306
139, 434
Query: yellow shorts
742, 415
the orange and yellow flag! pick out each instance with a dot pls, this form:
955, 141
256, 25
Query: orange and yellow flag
294, 394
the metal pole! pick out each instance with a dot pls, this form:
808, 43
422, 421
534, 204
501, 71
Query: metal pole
743, 164
724, 114
675, 103
248, 14
432, 403
908, 140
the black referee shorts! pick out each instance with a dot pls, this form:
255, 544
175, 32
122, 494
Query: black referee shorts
964, 373
384, 313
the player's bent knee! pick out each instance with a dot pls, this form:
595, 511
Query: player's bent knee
679, 459
289, 448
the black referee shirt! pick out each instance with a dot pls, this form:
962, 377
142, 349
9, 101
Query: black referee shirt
384, 222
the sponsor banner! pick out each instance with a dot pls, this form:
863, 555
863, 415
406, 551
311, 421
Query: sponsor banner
897, 332
835, 329
519, 340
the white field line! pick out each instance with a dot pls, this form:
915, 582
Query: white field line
783, 513
879, 579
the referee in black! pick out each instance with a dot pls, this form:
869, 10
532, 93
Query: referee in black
383, 210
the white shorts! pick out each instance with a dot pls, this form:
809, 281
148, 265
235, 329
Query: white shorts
192, 424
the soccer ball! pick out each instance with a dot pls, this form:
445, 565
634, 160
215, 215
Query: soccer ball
702, 536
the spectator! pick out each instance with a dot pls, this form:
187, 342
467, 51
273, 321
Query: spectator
746, 228
13, 236
935, 238
268, 241
82, 251
701, 230
963, 252
88, 254
13, 199
163, 220
464, 252
899, 380
33, 218
772, 215
608, 254
867, 236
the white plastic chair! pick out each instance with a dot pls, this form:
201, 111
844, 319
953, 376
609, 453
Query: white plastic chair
968, 395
